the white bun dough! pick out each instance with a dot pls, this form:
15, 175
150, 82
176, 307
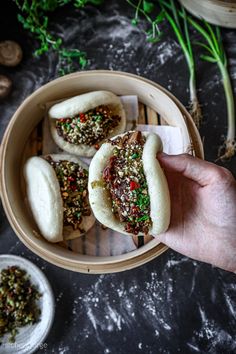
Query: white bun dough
99, 196
81, 104
44, 196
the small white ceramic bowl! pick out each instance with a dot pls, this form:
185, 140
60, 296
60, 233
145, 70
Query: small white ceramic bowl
31, 337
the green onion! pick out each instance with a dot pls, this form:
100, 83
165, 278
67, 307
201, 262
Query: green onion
179, 21
179, 25
216, 54
143, 200
135, 156
98, 118
78, 215
143, 218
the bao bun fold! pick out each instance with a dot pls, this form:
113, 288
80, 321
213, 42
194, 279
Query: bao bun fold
81, 104
101, 199
45, 198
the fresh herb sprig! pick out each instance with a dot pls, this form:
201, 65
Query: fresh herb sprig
145, 8
34, 18
67, 59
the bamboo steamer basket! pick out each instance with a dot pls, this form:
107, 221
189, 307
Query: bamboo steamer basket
218, 12
18, 138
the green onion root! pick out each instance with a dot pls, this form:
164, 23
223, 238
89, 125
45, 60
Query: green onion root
195, 108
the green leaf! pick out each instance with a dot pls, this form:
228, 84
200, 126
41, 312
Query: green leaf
48, 5
59, 42
212, 35
148, 6
205, 46
143, 218
98, 118
134, 21
208, 58
78, 215
143, 200
83, 62
186, 32
80, 3
175, 14
149, 32
70, 53
63, 2
96, 2
21, 18
153, 39
160, 17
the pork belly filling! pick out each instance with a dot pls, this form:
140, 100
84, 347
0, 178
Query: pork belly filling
88, 128
125, 180
73, 181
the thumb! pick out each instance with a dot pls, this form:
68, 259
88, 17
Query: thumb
200, 171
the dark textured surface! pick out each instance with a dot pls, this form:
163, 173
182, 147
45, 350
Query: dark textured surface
172, 304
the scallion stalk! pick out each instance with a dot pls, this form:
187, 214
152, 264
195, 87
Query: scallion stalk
216, 54
182, 34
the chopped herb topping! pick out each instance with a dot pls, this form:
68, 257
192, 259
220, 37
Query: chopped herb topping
88, 128
18, 299
73, 181
126, 182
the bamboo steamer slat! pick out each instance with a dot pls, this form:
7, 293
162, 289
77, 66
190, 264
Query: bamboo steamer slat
218, 12
152, 97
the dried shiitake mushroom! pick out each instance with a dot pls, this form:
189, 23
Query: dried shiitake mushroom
5, 86
10, 53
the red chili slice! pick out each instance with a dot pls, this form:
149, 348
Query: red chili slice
71, 179
134, 185
134, 209
73, 187
82, 118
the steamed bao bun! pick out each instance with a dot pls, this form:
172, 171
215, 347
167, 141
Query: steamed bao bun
45, 200
81, 104
100, 198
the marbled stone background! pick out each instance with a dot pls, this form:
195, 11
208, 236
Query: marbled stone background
173, 304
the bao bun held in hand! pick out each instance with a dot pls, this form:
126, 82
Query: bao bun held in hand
58, 197
128, 191
81, 123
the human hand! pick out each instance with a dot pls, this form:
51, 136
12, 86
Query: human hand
203, 210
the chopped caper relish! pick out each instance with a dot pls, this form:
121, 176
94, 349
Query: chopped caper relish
18, 301
126, 182
73, 181
88, 128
